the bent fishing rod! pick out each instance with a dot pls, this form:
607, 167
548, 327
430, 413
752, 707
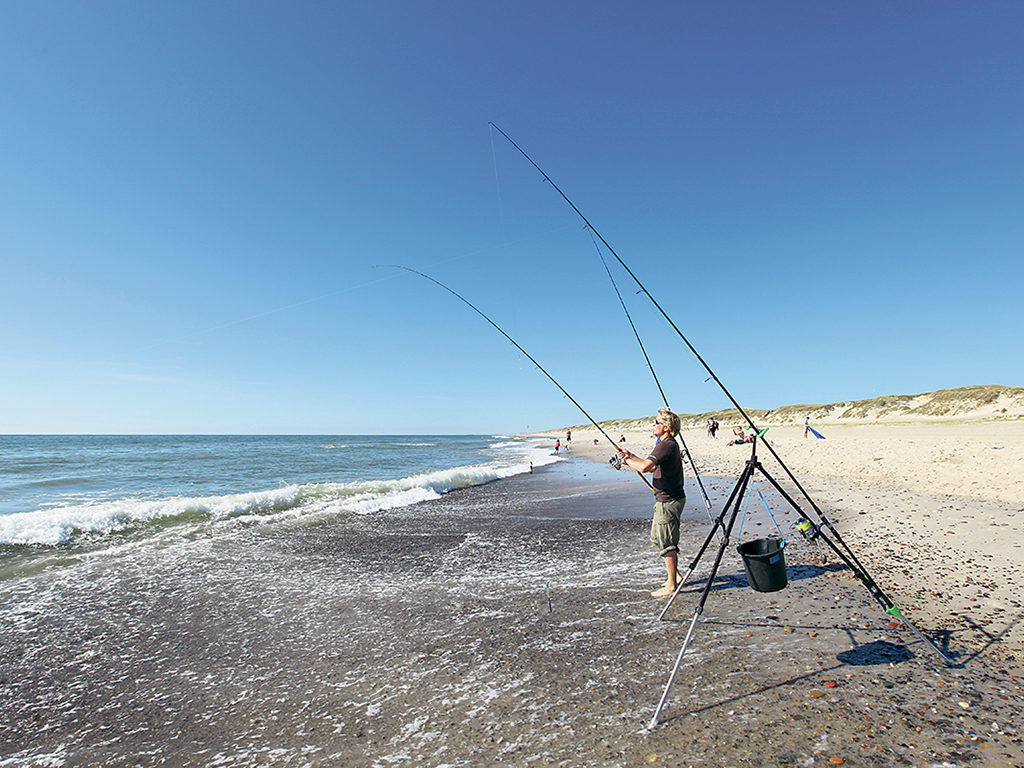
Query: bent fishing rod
528, 355
844, 553
650, 366
681, 335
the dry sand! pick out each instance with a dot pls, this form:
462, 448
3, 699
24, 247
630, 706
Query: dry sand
934, 510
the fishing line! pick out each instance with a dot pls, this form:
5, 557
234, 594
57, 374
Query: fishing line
497, 187
517, 346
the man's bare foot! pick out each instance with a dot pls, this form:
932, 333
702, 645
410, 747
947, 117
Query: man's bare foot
663, 592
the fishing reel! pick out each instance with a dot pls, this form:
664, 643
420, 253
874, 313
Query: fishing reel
616, 461
807, 529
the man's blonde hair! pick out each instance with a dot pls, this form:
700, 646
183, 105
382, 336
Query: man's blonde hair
670, 420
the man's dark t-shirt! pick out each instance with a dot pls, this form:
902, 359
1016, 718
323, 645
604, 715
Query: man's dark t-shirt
667, 477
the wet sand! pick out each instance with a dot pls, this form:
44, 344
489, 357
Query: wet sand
505, 624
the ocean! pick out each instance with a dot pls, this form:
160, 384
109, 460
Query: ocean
67, 497
272, 602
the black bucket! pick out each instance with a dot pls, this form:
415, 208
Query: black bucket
765, 564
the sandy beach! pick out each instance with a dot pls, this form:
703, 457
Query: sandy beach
935, 509
511, 624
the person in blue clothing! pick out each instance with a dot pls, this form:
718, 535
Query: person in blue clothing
665, 464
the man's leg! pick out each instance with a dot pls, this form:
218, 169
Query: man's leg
672, 569
672, 572
665, 535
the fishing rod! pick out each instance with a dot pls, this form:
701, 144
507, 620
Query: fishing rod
700, 483
686, 341
650, 366
528, 355
839, 546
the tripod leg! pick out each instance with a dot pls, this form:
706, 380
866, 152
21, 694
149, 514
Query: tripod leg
672, 678
679, 587
741, 484
896, 611
716, 526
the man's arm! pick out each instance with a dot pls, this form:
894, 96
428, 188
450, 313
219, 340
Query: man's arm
633, 461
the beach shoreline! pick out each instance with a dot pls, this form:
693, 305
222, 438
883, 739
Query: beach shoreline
935, 510
506, 623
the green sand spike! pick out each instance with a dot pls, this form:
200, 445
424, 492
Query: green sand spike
893, 610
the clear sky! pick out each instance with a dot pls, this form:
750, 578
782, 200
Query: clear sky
827, 198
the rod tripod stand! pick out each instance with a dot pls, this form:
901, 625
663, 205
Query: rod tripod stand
807, 527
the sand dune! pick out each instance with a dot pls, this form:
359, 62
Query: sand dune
988, 402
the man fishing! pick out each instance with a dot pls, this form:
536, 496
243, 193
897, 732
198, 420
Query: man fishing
666, 467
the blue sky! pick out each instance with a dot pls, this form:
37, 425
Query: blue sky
827, 198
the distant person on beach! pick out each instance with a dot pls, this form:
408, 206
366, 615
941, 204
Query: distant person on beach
622, 438
568, 437
807, 426
714, 428
595, 441
558, 444
666, 467
741, 437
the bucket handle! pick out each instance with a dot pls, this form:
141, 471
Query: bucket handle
744, 518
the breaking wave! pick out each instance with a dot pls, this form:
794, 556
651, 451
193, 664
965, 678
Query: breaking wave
60, 524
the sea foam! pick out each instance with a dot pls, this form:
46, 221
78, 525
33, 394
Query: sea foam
61, 524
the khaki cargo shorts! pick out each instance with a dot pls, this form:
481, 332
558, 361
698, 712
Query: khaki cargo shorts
665, 525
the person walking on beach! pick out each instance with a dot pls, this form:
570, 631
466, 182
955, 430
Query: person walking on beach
666, 467
807, 426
